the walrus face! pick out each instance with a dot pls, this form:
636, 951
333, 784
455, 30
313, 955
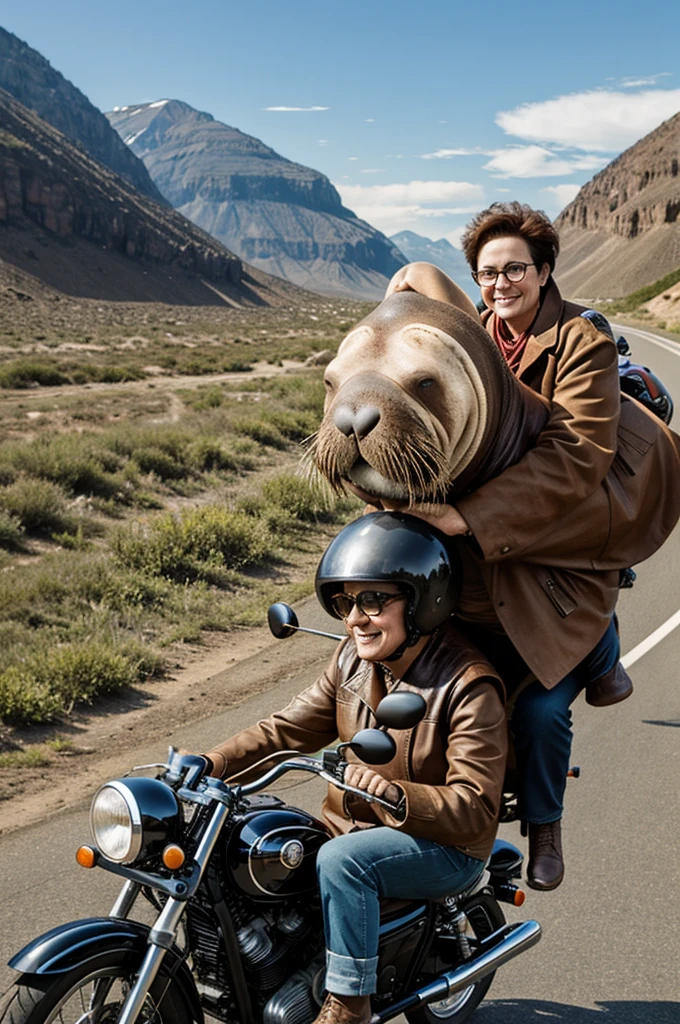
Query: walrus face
405, 412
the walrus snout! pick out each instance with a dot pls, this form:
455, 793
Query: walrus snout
360, 422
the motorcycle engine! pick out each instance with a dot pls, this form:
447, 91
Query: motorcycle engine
299, 999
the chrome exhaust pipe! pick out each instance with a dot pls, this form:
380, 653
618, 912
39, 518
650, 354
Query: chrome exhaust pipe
511, 940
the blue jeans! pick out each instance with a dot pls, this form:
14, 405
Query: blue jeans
541, 728
358, 869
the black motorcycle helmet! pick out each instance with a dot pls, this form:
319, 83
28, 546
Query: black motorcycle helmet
397, 548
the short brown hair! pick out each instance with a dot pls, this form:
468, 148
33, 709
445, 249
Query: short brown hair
519, 219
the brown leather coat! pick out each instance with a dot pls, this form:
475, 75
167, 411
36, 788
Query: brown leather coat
599, 491
450, 766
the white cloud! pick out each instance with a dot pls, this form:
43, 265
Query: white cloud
637, 83
352, 157
322, 142
503, 190
391, 208
370, 120
600, 120
445, 154
288, 110
559, 197
373, 170
538, 162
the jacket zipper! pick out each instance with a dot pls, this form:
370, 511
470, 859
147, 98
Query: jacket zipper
561, 600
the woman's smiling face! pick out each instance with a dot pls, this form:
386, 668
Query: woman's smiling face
377, 636
514, 302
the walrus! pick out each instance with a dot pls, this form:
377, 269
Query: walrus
420, 406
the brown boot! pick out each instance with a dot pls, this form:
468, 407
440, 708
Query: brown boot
610, 688
336, 1011
546, 866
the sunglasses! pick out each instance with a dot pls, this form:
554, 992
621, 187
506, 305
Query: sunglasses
369, 602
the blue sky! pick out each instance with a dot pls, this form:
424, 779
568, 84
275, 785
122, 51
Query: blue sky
420, 113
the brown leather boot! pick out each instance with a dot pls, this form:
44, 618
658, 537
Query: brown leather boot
546, 866
336, 1011
612, 687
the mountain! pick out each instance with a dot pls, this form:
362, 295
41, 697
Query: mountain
279, 216
418, 248
621, 231
80, 228
30, 79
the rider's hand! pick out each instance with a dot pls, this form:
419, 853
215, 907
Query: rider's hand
371, 782
447, 518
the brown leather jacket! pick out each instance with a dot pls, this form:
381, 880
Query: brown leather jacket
450, 766
600, 491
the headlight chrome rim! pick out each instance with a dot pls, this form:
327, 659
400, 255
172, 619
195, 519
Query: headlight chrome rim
135, 823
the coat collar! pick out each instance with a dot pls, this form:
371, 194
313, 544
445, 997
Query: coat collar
543, 330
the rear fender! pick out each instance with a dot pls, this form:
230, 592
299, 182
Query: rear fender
71, 945
505, 860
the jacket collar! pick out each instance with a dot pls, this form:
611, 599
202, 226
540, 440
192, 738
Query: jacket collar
543, 330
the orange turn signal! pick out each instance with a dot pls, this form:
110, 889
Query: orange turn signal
519, 898
86, 856
173, 857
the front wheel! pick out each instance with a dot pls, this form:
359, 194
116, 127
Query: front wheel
484, 917
91, 994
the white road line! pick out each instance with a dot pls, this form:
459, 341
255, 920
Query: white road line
670, 346
652, 640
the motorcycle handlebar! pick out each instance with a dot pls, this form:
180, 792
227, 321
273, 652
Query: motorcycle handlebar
316, 767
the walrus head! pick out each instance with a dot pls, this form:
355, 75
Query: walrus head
415, 401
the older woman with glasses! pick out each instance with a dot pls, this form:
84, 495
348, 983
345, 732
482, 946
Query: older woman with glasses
394, 581
567, 354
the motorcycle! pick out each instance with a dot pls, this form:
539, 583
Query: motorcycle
230, 870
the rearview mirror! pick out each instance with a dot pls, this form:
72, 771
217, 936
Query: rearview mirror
400, 710
372, 746
283, 621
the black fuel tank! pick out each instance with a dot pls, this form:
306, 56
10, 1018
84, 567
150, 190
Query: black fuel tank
272, 853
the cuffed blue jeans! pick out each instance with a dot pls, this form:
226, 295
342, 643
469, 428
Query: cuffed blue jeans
357, 870
541, 729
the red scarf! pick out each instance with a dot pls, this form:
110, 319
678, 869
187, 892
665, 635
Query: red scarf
512, 349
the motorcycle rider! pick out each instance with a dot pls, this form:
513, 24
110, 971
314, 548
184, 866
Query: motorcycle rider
393, 579
566, 353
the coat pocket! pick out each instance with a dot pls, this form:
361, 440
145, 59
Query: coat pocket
563, 601
637, 432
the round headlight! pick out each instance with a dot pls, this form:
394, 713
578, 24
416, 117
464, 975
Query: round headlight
116, 823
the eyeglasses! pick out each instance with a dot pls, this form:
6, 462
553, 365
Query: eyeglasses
369, 602
512, 272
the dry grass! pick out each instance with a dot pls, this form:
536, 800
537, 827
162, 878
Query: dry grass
133, 520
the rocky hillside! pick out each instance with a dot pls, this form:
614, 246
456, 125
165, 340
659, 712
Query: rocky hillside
30, 79
279, 216
622, 232
84, 230
442, 254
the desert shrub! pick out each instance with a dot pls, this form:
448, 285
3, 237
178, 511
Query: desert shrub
207, 454
11, 530
39, 505
295, 496
195, 545
261, 430
296, 426
53, 680
26, 373
23, 699
237, 366
78, 463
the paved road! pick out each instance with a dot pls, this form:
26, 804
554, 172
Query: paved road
611, 932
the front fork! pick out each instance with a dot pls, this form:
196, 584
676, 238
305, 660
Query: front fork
164, 932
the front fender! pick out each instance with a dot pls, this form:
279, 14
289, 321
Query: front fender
68, 946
